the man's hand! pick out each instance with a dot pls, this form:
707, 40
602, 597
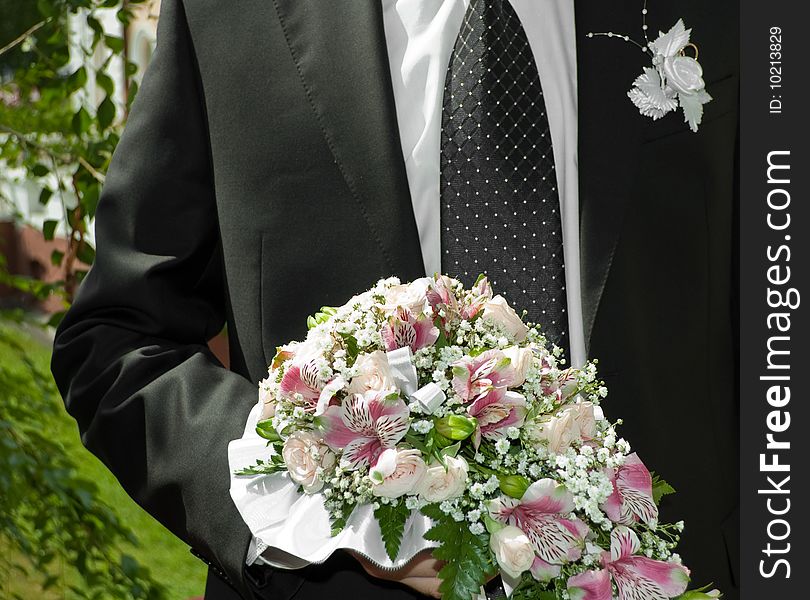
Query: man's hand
420, 574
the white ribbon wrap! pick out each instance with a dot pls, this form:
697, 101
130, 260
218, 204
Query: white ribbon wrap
295, 528
429, 397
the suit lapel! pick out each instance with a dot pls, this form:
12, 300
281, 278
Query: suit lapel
609, 138
340, 52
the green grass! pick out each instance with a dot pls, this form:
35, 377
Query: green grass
167, 557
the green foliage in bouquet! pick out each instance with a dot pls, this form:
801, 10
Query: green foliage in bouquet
392, 518
468, 560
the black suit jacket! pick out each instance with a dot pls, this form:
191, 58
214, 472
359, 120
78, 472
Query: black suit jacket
260, 176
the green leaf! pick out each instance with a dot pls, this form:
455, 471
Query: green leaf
81, 121
132, 92
456, 427
660, 488
105, 82
89, 199
702, 593
351, 345
45, 195
441, 342
95, 24
116, 44
86, 253
468, 560
105, 112
491, 524
451, 450
261, 467
48, 228
340, 522
78, 79
56, 257
513, 486
392, 518
39, 170
266, 430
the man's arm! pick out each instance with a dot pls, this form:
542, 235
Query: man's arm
130, 357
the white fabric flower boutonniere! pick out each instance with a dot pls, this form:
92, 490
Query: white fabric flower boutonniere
675, 78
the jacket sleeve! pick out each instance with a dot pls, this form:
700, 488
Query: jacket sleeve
130, 356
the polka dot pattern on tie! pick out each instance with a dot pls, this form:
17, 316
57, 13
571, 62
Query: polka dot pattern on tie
500, 209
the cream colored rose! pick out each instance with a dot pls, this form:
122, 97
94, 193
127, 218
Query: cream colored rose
373, 373
521, 359
498, 311
412, 296
563, 431
512, 550
558, 432
397, 472
441, 484
585, 418
305, 455
684, 74
575, 422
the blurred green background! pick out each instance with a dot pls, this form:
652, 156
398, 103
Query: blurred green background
69, 70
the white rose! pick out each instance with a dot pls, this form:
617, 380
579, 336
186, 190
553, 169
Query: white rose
397, 472
412, 296
498, 311
373, 373
684, 74
520, 359
305, 456
585, 417
512, 550
441, 484
558, 431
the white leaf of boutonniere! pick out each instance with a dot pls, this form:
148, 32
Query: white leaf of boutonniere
693, 108
672, 42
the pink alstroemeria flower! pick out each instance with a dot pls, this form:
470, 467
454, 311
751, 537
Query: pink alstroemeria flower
636, 577
474, 304
300, 382
496, 412
632, 498
474, 377
542, 515
365, 425
561, 386
440, 295
405, 329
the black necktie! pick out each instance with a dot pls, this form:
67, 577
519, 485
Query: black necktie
500, 211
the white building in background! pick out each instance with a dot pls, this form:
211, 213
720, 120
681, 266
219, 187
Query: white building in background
21, 214
139, 40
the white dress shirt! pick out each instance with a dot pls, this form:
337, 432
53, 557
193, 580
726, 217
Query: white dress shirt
419, 36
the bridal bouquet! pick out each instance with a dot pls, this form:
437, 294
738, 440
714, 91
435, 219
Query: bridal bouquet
427, 415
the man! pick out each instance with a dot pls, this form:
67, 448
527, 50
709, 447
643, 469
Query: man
284, 155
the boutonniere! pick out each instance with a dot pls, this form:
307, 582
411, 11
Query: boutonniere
674, 79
